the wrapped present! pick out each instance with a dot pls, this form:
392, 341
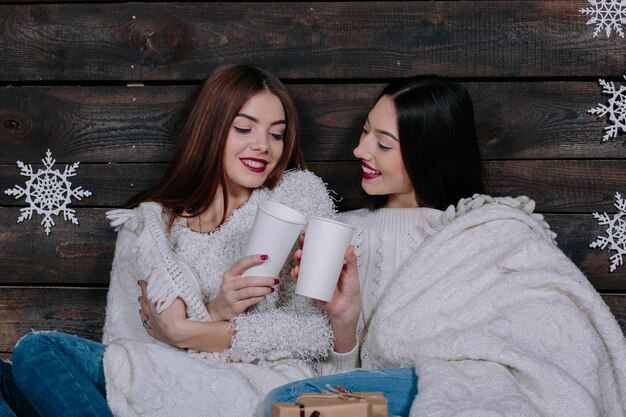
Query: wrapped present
335, 402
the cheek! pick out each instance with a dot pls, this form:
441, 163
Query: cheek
277, 149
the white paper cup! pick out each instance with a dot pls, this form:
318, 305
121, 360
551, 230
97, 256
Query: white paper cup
323, 254
274, 232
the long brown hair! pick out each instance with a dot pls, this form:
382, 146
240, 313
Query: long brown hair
196, 169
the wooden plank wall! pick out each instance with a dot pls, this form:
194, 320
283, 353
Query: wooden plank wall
67, 72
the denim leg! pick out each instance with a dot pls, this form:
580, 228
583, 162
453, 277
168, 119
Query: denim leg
12, 401
61, 375
398, 384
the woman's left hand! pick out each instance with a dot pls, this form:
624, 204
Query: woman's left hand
166, 326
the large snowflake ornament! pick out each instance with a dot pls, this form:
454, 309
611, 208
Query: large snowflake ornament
616, 109
47, 192
616, 233
607, 15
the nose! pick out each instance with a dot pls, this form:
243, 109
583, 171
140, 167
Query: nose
360, 152
259, 143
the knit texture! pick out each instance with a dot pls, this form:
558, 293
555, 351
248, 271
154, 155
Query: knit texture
499, 322
276, 341
383, 240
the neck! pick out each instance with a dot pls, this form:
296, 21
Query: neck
211, 218
401, 201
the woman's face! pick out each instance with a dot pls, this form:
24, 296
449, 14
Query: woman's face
254, 144
379, 151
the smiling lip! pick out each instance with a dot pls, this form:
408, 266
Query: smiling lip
254, 164
368, 172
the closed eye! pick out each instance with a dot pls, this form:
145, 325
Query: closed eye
277, 136
241, 129
383, 147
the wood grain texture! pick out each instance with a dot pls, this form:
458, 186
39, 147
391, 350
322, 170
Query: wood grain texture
572, 186
82, 254
515, 120
80, 311
186, 40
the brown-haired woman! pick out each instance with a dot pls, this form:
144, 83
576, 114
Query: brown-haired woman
208, 342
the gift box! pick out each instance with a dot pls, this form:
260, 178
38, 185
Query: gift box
337, 402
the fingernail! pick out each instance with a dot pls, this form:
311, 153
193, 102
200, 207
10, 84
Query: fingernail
272, 289
276, 281
264, 257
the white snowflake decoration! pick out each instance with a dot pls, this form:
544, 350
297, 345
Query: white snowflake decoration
48, 192
607, 15
616, 109
616, 233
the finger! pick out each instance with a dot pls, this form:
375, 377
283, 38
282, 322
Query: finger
301, 240
253, 292
253, 281
246, 263
351, 261
297, 255
249, 302
144, 287
294, 272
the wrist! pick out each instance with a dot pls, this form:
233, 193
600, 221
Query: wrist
344, 331
213, 311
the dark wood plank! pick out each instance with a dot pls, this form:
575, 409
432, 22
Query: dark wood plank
77, 311
81, 311
525, 120
71, 254
178, 40
617, 304
556, 185
574, 234
560, 185
82, 254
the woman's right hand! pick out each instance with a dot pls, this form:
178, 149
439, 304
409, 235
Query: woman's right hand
344, 308
238, 293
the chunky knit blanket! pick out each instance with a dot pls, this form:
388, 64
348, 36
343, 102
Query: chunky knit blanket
499, 322
277, 341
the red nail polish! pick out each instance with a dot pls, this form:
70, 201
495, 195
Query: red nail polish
273, 289
264, 257
276, 281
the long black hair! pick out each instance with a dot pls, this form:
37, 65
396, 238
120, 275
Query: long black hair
438, 140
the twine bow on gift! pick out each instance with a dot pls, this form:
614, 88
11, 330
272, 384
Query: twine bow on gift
336, 392
340, 393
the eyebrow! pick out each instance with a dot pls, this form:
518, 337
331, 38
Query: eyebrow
384, 132
255, 120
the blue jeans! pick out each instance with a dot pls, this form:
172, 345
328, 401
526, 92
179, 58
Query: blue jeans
398, 384
61, 375
12, 402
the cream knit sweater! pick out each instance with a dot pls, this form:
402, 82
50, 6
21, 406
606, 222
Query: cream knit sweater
276, 341
384, 239
492, 315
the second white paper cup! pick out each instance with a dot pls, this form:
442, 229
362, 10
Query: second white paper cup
323, 254
274, 232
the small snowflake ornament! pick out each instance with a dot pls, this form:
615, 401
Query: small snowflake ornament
616, 233
616, 109
47, 192
607, 15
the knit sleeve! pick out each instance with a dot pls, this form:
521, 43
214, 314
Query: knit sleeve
122, 317
142, 252
294, 327
337, 363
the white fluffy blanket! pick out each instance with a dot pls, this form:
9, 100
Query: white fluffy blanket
499, 322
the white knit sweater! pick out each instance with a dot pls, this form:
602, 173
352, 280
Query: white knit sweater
384, 239
494, 318
276, 341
